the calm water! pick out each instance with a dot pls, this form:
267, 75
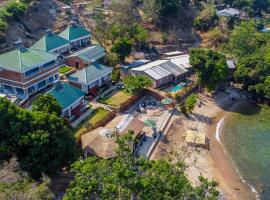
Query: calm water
246, 137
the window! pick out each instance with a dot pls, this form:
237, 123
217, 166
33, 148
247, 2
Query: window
32, 72
49, 64
8, 89
50, 79
56, 77
41, 84
31, 89
19, 91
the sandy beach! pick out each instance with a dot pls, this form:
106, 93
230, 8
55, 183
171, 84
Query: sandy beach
212, 163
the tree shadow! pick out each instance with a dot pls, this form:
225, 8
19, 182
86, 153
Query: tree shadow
234, 100
200, 118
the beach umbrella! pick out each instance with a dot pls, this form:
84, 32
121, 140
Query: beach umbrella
167, 101
150, 123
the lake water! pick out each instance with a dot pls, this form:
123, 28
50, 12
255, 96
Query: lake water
246, 137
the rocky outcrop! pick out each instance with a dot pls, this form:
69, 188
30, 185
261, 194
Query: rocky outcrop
41, 15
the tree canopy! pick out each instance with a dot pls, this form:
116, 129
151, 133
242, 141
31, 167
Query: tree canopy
122, 47
191, 101
136, 83
206, 19
42, 142
47, 104
210, 67
128, 177
251, 50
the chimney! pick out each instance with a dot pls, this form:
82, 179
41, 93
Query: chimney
48, 32
19, 45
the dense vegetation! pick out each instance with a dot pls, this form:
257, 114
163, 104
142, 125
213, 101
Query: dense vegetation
251, 50
42, 142
135, 84
210, 67
47, 104
128, 177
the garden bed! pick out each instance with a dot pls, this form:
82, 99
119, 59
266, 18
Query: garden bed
65, 69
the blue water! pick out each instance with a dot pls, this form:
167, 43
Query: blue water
178, 87
246, 136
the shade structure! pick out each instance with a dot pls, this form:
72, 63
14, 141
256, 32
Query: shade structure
166, 101
150, 123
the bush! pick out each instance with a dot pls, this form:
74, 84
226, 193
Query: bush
206, 19
16, 8
122, 48
3, 25
116, 75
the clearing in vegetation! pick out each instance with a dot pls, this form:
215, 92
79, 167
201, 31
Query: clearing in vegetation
96, 116
116, 98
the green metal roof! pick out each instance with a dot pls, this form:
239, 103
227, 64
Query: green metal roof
90, 54
50, 42
74, 32
90, 73
24, 59
66, 94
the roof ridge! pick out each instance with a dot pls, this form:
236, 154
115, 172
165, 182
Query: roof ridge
20, 59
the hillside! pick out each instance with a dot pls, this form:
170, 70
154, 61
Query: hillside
41, 15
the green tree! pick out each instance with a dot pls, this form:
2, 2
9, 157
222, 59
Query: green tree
136, 83
16, 8
251, 49
167, 9
210, 67
139, 34
128, 177
245, 40
191, 101
47, 104
116, 75
122, 47
206, 19
42, 142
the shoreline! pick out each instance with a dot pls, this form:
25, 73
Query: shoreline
218, 132
213, 164
228, 176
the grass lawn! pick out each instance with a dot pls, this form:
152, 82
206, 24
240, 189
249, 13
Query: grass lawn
96, 116
116, 98
64, 69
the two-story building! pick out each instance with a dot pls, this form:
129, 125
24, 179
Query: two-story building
76, 35
86, 56
91, 78
26, 71
51, 42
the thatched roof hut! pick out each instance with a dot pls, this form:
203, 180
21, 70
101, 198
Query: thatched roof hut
102, 141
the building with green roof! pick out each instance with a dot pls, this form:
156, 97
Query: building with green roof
51, 42
68, 96
26, 71
76, 35
92, 76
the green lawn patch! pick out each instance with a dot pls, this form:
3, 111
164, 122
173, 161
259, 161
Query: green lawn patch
65, 69
116, 98
96, 116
